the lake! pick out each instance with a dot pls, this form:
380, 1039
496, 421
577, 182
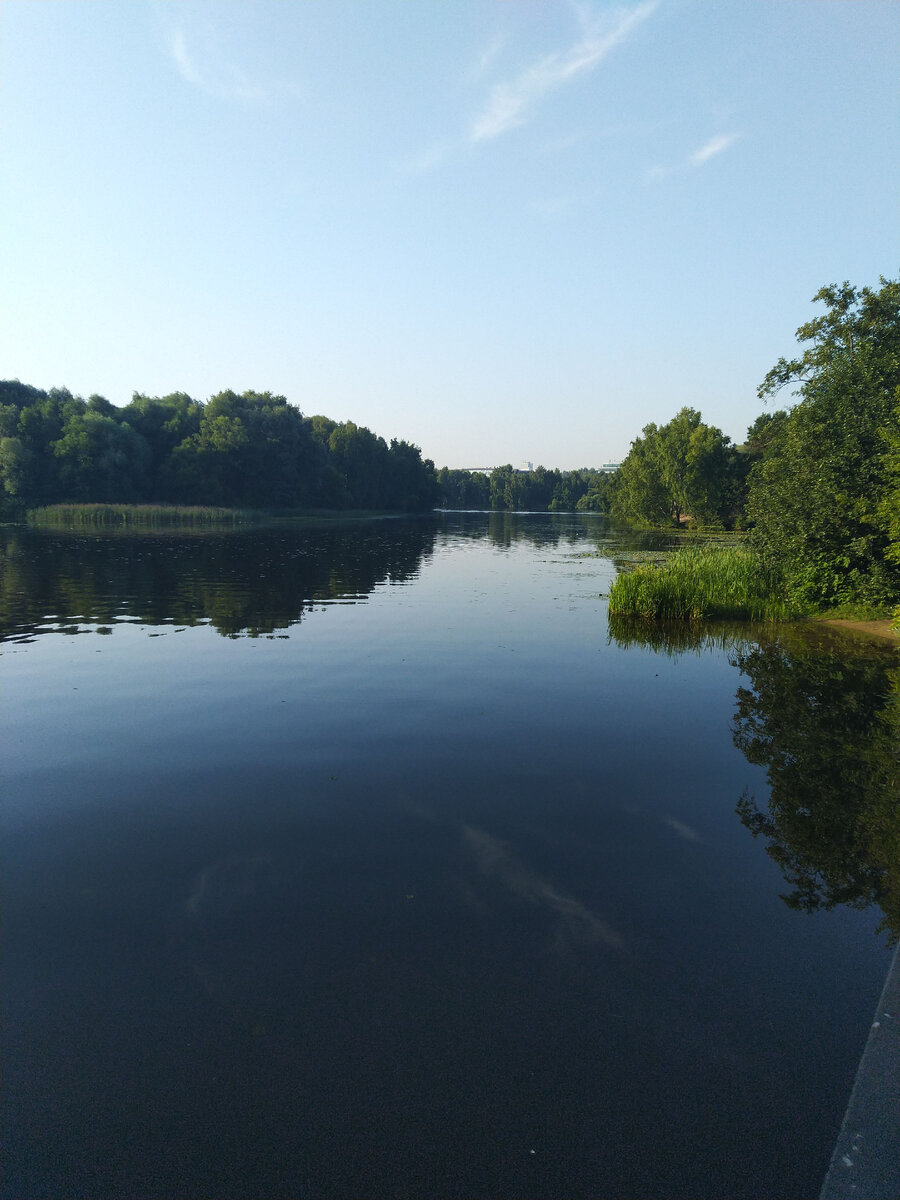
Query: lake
369, 860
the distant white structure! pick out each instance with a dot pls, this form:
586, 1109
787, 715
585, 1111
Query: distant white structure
609, 468
526, 466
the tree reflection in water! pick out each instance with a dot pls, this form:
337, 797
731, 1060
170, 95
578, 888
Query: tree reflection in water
820, 710
823, 717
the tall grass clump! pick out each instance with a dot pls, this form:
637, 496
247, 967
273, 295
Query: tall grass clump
141, 515
700, 583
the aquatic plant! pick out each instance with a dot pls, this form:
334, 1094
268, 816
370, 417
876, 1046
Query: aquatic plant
152, 515
700, 583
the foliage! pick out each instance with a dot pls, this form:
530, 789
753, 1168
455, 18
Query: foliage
684, 469
824, 495
698, 583
253, 450
826, 726
507, 489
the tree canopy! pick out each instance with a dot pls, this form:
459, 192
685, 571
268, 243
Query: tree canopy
684, 469
824, 495
507, 489
250, 450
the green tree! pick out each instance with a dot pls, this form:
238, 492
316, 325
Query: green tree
164, 422
682, 469
100, 459
820, 496
889, 504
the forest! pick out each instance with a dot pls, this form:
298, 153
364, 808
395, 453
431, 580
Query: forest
253, 450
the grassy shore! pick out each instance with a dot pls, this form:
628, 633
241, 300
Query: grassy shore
699, 583
151, 516
187, 517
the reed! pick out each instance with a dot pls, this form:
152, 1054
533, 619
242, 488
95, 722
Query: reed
699, 583
140, 515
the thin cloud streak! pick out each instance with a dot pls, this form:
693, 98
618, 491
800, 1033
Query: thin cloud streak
509, 103
224, 81
186, 67
715, 145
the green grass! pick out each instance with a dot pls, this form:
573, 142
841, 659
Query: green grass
697, 583
140, 515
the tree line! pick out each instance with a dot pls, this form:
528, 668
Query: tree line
251, 450
540, 490
816, 485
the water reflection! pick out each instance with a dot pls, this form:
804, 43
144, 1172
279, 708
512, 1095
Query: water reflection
674, 638
443, 896
824, 720
243, 583
821, 712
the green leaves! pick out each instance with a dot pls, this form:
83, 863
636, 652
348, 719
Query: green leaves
821, 497
682, 469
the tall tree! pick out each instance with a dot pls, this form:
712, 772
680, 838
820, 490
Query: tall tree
818, 495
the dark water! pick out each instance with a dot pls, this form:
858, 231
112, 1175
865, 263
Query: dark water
368, 862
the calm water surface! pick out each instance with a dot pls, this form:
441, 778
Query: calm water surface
367, 862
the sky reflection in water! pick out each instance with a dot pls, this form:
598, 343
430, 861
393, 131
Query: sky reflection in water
367, 861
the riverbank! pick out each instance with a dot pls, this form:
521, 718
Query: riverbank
704, 582
135, 518
882, 628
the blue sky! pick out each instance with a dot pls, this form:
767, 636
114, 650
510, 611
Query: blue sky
500, 229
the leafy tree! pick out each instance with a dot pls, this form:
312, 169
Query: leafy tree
164, 422
763, 434
463, 489
504, 491
600, 494
100, 459
412, 482
682, 469
16, 466
820, 495
254, 450
889, 504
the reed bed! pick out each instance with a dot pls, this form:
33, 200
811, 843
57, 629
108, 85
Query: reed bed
699, 583
151, 516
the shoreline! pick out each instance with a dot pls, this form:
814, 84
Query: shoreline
881, 628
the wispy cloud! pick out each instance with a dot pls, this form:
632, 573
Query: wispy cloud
187, 68
427, 160
486, 58
710, 149
217, 77
510, 103
715, 145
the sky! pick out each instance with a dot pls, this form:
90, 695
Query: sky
504, 230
